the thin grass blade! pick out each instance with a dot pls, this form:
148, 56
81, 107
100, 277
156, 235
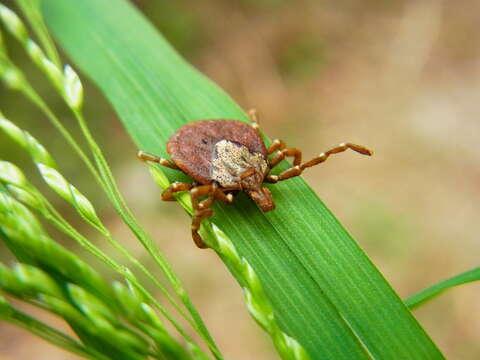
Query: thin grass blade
433, 291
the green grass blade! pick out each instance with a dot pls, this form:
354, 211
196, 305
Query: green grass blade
30, 9
325, 292
429, 293
46, 332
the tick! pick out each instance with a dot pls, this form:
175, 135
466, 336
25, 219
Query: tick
225, 157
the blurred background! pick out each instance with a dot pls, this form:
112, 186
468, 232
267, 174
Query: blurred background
401, 77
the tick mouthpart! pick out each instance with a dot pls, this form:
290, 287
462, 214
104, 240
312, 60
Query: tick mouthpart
263, 199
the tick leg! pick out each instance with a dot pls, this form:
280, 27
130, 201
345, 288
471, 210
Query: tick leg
276, 145
167, 194
298, 168
201, 209
252, 114
144, 156
196, 222
282, 153
200, 191
226, 198
296, 153
247, 173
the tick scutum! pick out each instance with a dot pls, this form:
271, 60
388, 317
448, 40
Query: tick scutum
231, 160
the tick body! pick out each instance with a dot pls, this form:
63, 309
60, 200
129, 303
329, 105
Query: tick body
227, 156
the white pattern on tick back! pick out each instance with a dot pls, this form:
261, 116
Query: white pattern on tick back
231, 159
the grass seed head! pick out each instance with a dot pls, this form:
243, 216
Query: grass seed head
13, 23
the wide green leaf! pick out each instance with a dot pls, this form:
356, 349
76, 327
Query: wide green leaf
325, 291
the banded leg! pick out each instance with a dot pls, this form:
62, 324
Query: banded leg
294, 152
215, 195
202, 208
226, 198
298, 169
276, 145
252, 114
167, 194
247, 173
144, 156
282, 153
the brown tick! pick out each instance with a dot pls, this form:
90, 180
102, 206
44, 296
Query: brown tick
227, 156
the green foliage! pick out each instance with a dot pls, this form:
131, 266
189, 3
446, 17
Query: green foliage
258, 303
58, 281
90, 306
429, 293
305, 281
10, 314
324, 291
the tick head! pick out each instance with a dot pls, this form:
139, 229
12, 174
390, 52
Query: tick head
263, 198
